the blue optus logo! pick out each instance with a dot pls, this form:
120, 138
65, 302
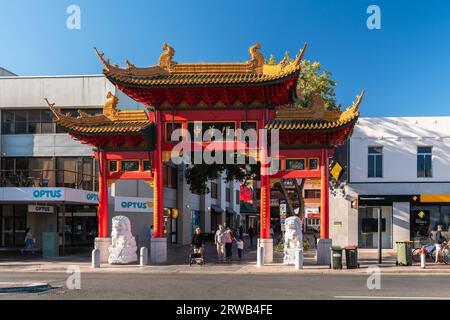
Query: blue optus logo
55, 194
92, 196
133, 204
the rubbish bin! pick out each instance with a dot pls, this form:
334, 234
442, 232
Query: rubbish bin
336, 258
351, 257
404, 253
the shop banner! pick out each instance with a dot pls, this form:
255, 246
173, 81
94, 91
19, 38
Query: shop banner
67, 195
133, 204
40, 209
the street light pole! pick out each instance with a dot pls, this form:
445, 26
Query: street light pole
380, 242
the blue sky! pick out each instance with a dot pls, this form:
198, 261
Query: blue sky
404, 67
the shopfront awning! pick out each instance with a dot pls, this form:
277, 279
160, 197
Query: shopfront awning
217, 209
231, 211
246, 208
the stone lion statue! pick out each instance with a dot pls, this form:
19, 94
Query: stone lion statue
293, 238
123, 245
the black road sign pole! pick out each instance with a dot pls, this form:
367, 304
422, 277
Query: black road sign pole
380, 242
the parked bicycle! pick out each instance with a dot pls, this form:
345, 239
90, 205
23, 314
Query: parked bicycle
430, 253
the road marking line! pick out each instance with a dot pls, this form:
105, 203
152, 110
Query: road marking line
393, 298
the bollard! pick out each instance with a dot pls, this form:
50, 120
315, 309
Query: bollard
423, 253
95, 258
144, 256
298, 259
260, 257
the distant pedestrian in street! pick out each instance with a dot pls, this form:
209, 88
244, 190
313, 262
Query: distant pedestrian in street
152, 233
440, 239
271, 232
241, 231
29, 241
219, 240
240, 247
228, 244
251, 234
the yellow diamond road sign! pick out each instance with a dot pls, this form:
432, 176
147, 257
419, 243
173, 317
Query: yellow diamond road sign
421, 214
415, 198
336, 171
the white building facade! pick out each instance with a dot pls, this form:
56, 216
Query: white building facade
399, 166
48, 179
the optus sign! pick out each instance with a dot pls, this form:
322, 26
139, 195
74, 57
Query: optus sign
48, 194
132, 204
92, 196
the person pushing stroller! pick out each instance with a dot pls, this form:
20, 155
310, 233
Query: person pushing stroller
197, 244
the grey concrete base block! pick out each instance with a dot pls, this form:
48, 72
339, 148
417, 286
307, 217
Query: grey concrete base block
102, 244
267, 244
323, 251
158, 250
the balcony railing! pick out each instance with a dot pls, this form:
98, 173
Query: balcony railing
47, 178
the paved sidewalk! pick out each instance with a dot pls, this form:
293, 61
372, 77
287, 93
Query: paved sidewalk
179, 257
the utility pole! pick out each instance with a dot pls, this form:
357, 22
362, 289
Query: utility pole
380, 242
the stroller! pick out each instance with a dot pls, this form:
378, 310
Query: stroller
196, 257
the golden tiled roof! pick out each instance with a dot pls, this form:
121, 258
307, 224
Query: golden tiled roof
308, 119
169, 72
111, 121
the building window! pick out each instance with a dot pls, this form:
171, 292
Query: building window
313, 164
295, 164
146, 165
237, 197
424, 167
375, 162
74, 172
129, 165
213, 190
312, 194
35, 121
113, 166
228, 195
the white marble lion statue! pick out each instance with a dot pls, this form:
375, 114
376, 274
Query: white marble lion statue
293, 238
123, 245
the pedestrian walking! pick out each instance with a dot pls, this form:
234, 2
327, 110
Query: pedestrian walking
29, 241
219, 240
251, 234
240, 247
241, 231
229, 238
440, 239
152, 233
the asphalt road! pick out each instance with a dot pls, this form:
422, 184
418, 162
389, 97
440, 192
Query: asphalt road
232, 286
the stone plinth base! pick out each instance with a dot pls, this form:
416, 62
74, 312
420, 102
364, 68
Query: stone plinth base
102, 244
267, 244
323, 252
158, 250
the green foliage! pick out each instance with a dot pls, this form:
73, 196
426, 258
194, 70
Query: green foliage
198, 175
312, 77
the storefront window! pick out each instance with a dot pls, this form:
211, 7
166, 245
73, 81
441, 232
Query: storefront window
13, 225
368, 227
425, 219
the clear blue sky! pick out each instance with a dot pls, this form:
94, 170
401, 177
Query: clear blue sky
404, 67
